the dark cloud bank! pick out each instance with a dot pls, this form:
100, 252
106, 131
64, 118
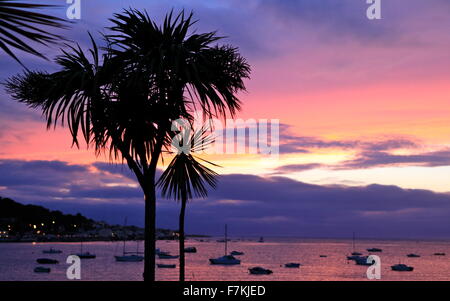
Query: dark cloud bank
249, 204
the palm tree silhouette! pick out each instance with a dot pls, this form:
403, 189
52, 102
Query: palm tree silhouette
185, 178
124, 100
17, 23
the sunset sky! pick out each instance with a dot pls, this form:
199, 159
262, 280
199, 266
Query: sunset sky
364, 107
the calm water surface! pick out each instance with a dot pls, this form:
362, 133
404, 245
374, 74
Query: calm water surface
17, 260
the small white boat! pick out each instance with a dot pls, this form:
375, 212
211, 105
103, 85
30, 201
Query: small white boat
225, 260
259, 271
166, 266
52, 251
167, 256
129, 258
292, 265
42, 270
190, 250
402, 268
236, 253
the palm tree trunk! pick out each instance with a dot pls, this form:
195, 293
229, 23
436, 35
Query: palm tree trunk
181, 230
150, 233
149, 188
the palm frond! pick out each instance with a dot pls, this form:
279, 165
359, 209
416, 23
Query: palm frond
181, 62
19, 24
186, 177
192, 141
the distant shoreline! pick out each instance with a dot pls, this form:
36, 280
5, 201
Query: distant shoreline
212, 238
93, 240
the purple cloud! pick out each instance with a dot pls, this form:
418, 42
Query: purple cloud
373, 158
369, 159
251, 205
297, 167
292, 143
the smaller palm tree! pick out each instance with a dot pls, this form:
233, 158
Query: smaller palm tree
186, 177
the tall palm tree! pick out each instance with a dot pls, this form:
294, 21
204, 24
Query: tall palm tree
185, 178
18, 23
123, 100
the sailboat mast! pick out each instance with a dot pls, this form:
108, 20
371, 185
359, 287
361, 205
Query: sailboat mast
124, 235
226, 239
353, 241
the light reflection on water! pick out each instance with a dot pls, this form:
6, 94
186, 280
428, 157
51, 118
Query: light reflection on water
17, 260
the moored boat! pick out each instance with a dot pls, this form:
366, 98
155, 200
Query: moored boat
129, 258
52, 251
166, 266
47, 261
412, 255
86, 255
354, 253
402, 268
190, 250
236, 253
374, 250
167, 256
42, 270
362, 260
225, 260
259, 271
292, 265
134, 257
